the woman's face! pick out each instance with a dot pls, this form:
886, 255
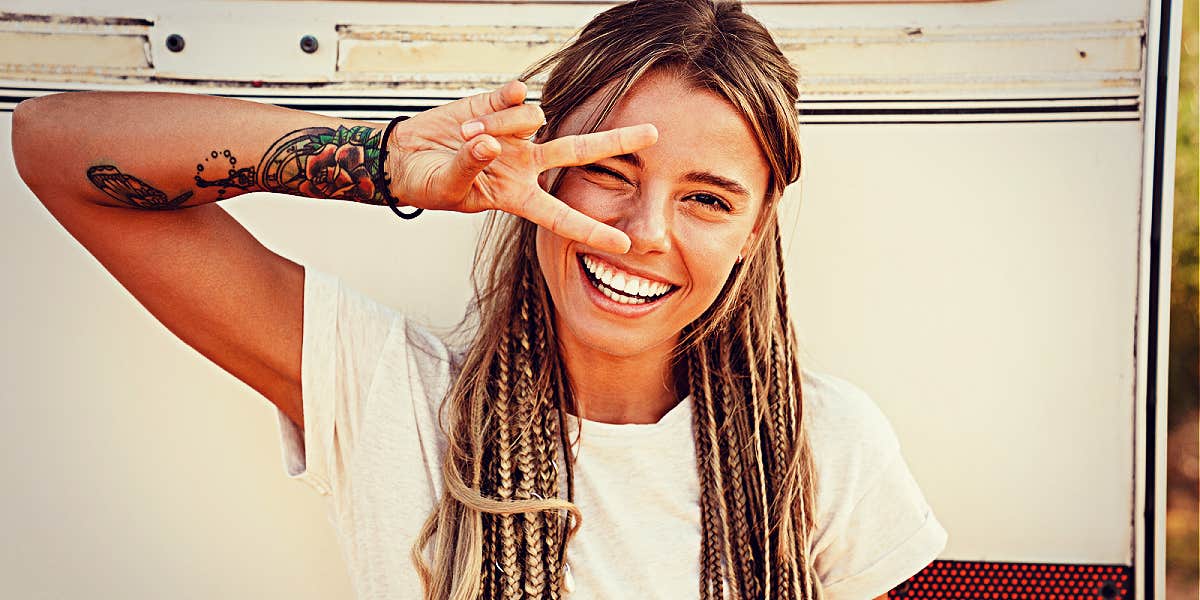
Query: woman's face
689, 204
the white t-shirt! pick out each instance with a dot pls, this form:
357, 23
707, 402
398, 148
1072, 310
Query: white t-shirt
373, 382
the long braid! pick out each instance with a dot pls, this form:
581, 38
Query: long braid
497, 476
714, 424
782, 430
711, 573
805, 508
534, 571
781, 537
735, 455
519, 548
764, 445
507, 560
563, 521
547, 480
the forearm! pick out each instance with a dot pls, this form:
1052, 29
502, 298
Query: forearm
163, 151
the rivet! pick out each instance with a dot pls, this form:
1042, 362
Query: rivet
308, 44
1108, 590
175, 42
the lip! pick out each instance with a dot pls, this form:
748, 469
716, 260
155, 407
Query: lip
612, 306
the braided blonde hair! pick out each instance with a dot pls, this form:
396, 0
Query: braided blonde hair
502, 527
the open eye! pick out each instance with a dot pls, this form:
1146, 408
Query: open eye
711, 201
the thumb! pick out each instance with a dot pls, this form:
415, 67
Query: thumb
474, 156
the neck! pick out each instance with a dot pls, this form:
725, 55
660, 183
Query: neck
620, 389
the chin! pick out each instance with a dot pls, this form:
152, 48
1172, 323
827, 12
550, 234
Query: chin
610, 341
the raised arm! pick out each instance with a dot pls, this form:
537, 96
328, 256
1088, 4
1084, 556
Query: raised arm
135, 178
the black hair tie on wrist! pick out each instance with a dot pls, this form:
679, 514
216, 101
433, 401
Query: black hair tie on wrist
383, 183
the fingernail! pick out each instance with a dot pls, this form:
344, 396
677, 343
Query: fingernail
471, 128
484, 150
621, 243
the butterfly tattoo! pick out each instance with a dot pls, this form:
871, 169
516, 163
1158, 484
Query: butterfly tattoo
131, 190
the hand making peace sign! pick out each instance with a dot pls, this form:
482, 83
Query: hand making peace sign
475, 154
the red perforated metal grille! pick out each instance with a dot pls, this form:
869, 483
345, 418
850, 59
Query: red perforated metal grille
973, 580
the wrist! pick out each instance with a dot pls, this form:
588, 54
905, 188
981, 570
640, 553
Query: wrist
390, 153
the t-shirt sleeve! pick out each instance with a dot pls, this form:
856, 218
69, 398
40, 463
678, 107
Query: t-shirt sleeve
345, 334
877, 528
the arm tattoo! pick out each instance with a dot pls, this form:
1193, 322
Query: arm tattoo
318, 162
131, 190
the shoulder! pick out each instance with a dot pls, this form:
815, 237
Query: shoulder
874, 527
851, 440
429, 358
357, 341
847, 430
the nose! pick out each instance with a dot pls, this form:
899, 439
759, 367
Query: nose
647, 221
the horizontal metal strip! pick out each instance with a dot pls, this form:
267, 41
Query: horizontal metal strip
378, 98
342, 93
382, 117
1002, 110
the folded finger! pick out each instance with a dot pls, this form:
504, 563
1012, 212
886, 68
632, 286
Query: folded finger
555, 215
509, 94
573, 150
457, 178
522, 120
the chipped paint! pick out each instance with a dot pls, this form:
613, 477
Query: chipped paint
910, 60
10, 21
72, 51
899, 60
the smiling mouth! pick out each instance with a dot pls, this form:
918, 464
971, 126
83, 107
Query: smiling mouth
622, 287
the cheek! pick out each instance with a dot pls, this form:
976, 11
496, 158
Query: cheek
590, 199
709, 248
545, 251
709, 258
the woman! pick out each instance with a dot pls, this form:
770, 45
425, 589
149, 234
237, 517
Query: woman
629, 418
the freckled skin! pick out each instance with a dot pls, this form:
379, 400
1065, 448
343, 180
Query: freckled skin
673, 233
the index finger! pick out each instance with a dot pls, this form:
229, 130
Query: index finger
574, 150
555, 215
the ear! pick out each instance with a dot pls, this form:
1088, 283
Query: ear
745, 251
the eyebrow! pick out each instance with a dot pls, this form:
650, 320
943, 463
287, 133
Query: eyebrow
713, 179
705, 177
630, 159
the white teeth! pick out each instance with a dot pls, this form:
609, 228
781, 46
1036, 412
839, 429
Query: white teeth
604, 273
622, 299
618, 282
625, 282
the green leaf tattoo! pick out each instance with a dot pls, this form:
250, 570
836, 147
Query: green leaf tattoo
320, 162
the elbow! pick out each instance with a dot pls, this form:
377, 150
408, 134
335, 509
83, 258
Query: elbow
37, 137
27, 120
